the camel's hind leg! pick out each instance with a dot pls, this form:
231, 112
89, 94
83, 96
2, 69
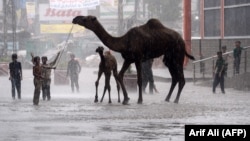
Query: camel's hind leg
117, 83
181, 85
177, 74
96, 85
173, 84
107, 86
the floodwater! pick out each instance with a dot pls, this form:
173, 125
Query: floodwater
75, 116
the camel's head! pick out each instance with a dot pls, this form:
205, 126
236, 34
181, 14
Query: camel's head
99, 49
86, 21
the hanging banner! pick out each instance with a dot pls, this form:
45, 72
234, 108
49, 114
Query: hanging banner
107, 2
73, 4
30, 9
60, 28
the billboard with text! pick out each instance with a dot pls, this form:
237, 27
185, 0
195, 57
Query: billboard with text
73, 4
51, 14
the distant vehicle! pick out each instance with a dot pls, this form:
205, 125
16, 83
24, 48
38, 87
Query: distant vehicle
10, 48
2, 51
89, 49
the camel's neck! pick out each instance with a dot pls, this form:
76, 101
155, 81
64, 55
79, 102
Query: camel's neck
102, 57
113, 43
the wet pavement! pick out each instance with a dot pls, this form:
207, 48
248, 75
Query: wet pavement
75, 116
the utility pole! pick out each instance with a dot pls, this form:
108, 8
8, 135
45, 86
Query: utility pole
9, 12
136, 9
13, 25
120, 17
5, 25
143, 8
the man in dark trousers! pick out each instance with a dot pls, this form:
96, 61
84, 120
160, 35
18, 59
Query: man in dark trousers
73, 71
226, 58
237, 56
147, 76
15, 76
219, 73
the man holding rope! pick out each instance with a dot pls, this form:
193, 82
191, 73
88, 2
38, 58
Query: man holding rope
46, 73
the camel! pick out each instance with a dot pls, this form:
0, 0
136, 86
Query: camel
141, 43
107, 65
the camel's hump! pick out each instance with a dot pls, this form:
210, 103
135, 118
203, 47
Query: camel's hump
154, 23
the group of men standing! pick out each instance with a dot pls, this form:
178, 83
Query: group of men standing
221, 65
42, 75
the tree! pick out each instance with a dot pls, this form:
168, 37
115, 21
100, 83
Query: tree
166, 10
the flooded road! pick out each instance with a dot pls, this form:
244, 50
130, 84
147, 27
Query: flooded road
75, 116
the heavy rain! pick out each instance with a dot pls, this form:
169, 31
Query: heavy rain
31, 28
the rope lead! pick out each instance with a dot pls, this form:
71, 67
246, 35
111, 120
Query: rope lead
65, 46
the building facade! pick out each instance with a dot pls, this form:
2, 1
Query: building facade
225, 19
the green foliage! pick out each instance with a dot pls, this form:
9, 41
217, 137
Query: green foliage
5, 59
166, 10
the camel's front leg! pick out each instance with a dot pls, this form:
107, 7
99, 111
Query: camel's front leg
96, 85
120, 78
107, 86
139, 80
117, 84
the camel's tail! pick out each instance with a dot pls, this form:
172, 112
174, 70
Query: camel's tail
189, 56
